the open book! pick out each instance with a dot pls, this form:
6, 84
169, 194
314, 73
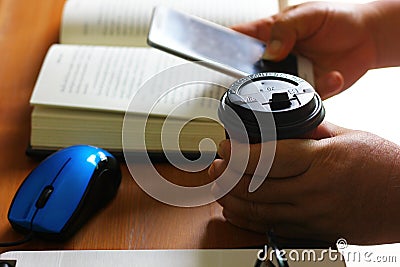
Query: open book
87, 82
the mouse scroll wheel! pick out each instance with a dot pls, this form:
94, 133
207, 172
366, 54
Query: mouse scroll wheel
44, 196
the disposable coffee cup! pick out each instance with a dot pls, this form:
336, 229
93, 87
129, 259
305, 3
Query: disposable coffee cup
268, 106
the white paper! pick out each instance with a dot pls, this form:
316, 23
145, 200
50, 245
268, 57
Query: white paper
125, 22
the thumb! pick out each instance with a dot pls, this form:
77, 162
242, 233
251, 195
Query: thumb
294, 24
325, 130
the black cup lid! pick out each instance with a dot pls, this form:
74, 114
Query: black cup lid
292, 102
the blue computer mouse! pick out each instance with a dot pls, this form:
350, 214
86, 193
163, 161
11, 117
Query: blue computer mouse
64, 191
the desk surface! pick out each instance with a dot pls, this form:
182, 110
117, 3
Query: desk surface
133, 220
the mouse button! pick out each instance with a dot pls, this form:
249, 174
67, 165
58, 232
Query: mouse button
21, 223
23, 209
22, 213
50, 218
102, 189
69, 190
47, 224
57, 211
40, 177
49, 168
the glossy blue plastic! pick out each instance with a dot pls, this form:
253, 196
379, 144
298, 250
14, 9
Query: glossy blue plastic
69, 172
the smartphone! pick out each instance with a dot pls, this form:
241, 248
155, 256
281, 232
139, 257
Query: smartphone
217, 47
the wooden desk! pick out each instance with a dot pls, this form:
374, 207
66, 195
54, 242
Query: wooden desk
133, 220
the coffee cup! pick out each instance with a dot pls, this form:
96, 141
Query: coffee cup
270, 106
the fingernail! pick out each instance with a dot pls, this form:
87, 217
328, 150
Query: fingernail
272, 50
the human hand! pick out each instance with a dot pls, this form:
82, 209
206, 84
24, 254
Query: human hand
344, 184
335, 37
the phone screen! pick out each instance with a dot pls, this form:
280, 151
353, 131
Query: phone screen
219, 47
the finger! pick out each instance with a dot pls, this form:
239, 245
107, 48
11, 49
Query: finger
264, 213
329, 84
292, 157
272, 191
243, 158
227, 178
325, 130
259, 29
216, 168
295, 24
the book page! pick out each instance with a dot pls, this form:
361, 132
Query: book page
107, 78
125, 22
